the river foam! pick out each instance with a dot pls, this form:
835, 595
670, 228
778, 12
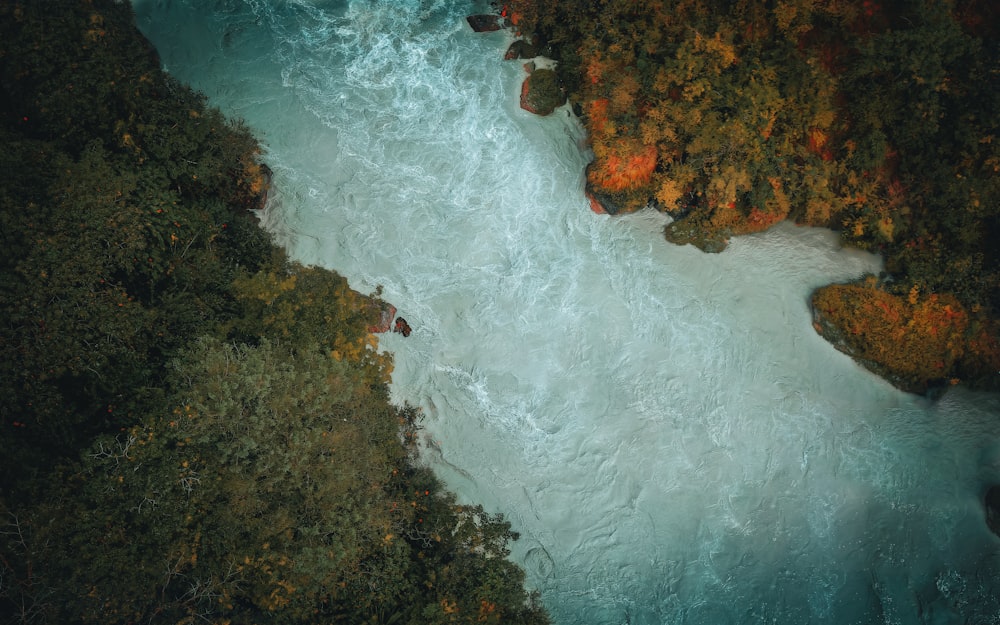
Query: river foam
671, 438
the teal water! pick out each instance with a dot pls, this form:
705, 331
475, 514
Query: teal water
671, 438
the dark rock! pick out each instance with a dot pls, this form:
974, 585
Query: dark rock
601, 203
992, 503
541, 93
485, 23
595, 204
521, 49
402, 327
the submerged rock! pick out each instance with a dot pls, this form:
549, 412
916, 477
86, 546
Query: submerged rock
992, 503
683, 232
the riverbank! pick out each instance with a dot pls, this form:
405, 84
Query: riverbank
192, 425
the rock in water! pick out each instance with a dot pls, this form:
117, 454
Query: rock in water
484, 23
540, 93
992, 503
521, 49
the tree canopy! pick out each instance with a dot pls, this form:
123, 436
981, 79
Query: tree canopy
194, 428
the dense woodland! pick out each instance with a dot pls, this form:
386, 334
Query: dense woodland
193, 429
877, 118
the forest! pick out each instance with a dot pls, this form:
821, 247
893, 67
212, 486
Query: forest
876, 118
194, 428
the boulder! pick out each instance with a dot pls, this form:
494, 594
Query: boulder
595, 204
386, 313
541, 93
402, 327
521, 49
485, 23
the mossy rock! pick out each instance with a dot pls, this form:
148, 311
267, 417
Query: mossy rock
541, 93
684, 232
521, 49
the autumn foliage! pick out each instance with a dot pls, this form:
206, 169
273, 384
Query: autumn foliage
916, 340
192, 427
623, 167
877, 119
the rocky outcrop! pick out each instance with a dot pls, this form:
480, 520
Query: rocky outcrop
541, 93
851, 341
595, 204
383, 314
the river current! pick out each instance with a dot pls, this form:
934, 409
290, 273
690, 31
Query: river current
669, 435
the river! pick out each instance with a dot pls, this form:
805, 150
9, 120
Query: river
665, 429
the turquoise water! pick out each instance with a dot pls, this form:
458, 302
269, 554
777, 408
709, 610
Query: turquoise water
671, 438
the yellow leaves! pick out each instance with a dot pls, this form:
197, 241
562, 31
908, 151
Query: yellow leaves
824, 118
819, 210
817, 140
669, 194
663, 81
724, 50
649, 133
280, 596
624, 92
885, 227
791, 18
287, 284
352, 351
694, 89
266, 287
724, 187
916, 338
855, 225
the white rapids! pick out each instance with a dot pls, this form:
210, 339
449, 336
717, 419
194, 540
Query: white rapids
671, 438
